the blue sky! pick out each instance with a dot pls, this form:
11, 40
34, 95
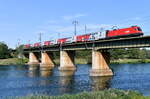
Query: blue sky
25, 19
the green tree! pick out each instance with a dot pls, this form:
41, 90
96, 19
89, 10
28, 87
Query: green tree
148, 54
118, 53
142, 54
133, 53
4, 51
19, 52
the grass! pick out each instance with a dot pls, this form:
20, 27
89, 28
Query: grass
119, 61
106, 94
13, 61
17, 61
130, 61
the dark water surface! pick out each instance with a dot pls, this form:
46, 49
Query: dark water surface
24, 80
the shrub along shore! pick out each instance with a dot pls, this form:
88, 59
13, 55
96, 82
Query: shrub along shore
17, 61
105, 94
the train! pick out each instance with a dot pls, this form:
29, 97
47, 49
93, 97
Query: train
108, 34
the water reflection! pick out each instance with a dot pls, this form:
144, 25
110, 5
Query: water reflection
100, 83
33, 71
66, 80
33, 67
31, 81
46, 73
46, 67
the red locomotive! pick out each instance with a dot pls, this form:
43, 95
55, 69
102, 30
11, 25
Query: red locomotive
125, 32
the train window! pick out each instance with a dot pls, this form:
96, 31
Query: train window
139, 29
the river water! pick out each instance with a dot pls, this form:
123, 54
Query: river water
26, 80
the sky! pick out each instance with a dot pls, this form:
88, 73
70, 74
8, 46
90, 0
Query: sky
22, 20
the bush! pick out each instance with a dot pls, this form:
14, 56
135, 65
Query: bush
106, 94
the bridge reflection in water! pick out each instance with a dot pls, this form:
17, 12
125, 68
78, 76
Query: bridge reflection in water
46, 73
37, 82
33, 70
67, 81
100, 83
33, 67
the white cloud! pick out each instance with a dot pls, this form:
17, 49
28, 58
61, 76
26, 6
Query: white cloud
70, 17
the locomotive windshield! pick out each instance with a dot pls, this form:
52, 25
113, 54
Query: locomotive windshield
139, 29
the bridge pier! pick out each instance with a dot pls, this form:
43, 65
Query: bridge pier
33, 60
100, 63
67, 60
46, 61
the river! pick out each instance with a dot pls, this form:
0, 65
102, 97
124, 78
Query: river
26, 80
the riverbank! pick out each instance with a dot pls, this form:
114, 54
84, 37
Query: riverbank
130, 61
106, 94
17, 61
119, 61
13, 61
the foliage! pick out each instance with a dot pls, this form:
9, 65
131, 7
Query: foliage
19, 52
130, 61
4, 51
106, 94
84, 55
130, 53
117, 54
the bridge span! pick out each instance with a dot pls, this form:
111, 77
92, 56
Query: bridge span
100, 54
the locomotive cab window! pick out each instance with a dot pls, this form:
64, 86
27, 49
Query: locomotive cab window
139, 29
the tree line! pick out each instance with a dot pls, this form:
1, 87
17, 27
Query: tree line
6, 52
127, 53
130, 53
